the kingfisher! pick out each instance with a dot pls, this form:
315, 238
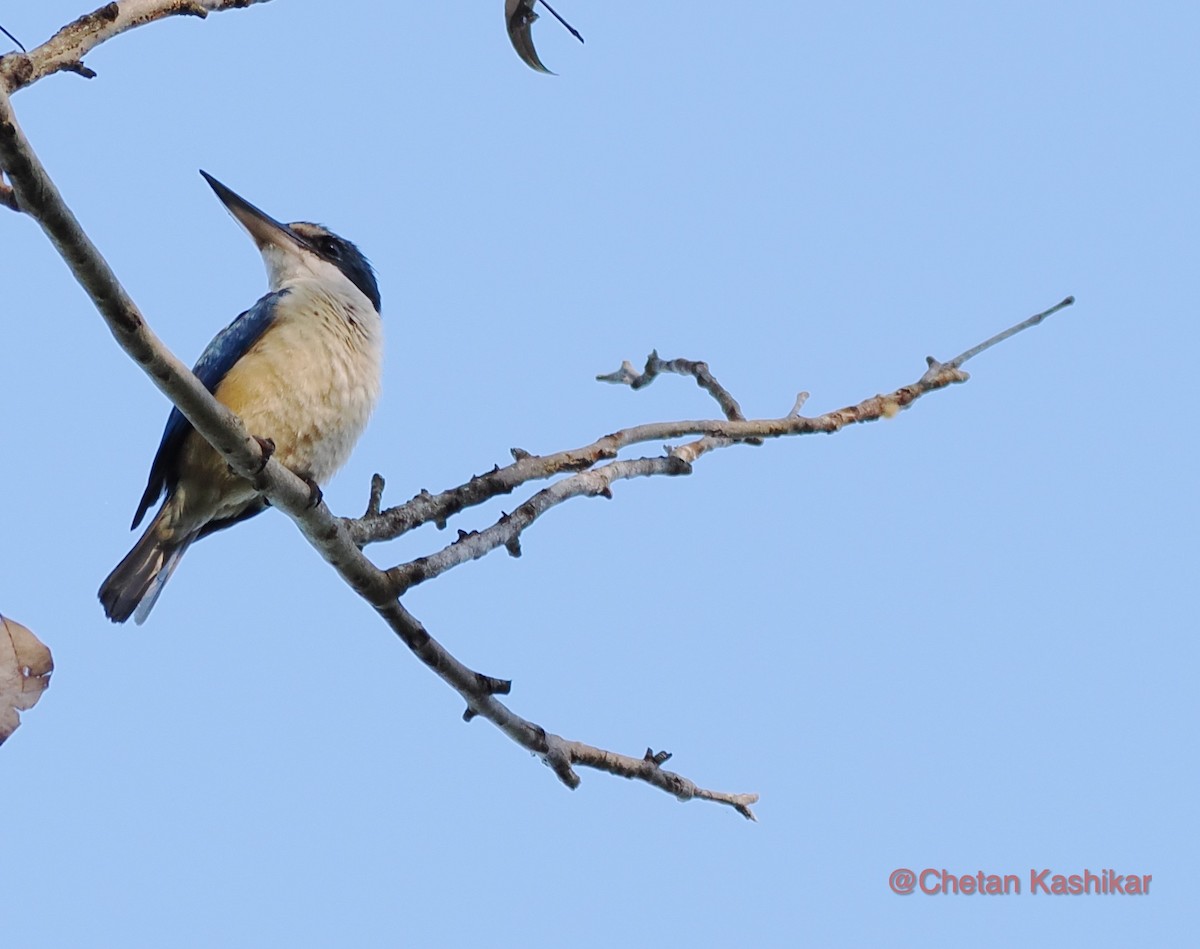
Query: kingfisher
302, 369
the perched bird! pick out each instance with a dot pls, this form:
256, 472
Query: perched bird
519, 17
301, 368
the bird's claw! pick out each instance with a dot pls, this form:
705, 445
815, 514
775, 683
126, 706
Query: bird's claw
268, 449
315, 494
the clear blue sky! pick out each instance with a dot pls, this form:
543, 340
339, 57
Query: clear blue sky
964, 638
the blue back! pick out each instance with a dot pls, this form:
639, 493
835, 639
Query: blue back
227, 347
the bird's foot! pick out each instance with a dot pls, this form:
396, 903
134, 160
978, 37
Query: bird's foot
268, 449
314, 491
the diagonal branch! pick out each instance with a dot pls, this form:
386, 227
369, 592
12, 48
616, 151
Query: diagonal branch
379, 525
597, 481
507, 531
64, 51
38, 197
974, 351
424, 508
557, 752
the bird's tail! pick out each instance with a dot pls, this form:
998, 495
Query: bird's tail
133, 587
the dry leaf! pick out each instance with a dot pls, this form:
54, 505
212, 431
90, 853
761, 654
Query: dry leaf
25, 667
519, 18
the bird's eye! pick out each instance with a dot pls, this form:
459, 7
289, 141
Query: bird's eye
331, 248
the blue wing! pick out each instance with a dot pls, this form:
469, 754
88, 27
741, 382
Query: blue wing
227, 347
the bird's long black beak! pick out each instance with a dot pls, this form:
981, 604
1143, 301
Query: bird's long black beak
265, 230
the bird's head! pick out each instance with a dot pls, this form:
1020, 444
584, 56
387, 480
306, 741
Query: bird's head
300, 248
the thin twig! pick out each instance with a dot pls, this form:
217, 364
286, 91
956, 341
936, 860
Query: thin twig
376, 498
570, 29
1011, 331
629, 376
14, 39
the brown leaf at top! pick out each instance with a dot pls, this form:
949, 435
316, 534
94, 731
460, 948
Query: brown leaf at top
519, 18
25, 667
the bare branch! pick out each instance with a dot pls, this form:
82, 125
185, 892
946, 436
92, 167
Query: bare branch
379, 525
428, 508
376, 498
507, 531
557, 752
425, 508
629, 376
597, 481
39, 198
1001, 337
64, 51
647, 768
